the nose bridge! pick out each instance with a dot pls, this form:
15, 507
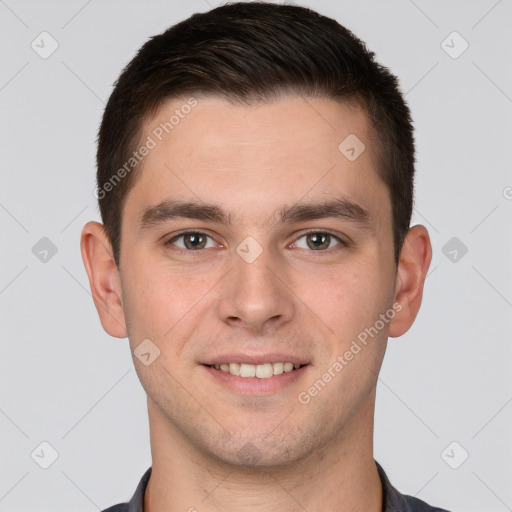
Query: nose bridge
254, 291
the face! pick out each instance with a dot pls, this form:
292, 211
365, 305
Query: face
303, 267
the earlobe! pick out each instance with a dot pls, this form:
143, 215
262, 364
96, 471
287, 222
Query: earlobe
415, 259
103, 278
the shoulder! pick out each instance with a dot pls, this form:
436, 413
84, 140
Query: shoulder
121, 507
412, 504
136, 504
395, 501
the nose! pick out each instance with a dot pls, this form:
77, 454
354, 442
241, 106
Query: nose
256, 295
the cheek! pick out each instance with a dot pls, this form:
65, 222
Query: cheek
159, 300
355, 298
147, 300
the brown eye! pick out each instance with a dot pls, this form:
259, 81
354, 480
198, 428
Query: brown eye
318, 241
192, 241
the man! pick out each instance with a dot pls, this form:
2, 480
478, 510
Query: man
255, 181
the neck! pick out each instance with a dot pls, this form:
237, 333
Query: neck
341, 475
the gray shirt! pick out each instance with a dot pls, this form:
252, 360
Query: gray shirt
392, 500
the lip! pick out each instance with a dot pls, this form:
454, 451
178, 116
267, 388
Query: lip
273, 357
254, 385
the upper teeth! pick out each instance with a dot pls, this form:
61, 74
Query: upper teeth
262, 371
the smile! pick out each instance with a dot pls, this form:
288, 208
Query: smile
260, 371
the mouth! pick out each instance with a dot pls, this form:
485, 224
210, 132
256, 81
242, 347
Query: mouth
261, 379
257, 371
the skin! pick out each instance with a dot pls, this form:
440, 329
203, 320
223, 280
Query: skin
253, 160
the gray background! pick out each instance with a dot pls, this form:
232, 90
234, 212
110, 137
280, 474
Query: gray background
66, 382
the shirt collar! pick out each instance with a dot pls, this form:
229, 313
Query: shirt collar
136, 504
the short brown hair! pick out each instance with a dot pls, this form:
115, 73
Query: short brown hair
247, 52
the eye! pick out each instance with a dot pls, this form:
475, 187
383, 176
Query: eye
192, 240
318, 240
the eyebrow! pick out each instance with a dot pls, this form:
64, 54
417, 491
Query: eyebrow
340, 208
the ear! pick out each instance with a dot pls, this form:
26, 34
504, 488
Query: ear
412, 270
104, 278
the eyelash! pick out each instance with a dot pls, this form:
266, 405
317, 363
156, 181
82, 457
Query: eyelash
179, 250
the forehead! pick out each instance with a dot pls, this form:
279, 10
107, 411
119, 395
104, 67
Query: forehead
205, 148
288, 122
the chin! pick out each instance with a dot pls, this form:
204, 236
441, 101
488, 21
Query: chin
261, 451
